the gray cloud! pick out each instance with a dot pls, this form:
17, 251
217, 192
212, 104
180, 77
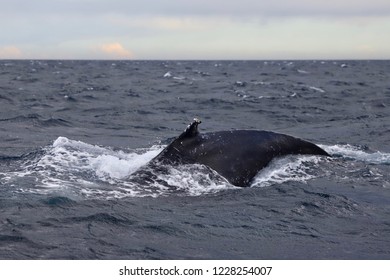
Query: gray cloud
240, 8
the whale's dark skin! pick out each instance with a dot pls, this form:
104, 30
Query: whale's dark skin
237, 155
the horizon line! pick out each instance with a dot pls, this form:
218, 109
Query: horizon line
196, 59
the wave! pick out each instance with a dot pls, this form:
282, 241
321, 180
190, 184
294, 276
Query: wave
76, 169
287, 169
37, 120
350, 152
79, 170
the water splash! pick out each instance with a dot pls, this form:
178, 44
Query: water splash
81, 170
351, 152
287, 169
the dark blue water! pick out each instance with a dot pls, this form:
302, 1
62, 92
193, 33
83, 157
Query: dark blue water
72, 133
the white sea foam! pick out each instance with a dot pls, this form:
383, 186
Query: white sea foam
303, 168
104, 161
194, 179
286, 169
302, 71
317, 89
356, 153
75, 166
167, 75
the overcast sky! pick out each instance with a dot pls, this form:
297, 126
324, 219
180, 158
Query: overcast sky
195, 29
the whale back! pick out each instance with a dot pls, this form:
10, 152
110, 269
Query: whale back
237, 155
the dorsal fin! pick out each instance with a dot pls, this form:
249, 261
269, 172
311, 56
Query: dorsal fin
191, 130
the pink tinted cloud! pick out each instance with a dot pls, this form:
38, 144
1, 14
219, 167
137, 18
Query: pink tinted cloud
116, 50
10, 52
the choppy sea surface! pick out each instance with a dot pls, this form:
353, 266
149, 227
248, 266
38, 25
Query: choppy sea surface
72, 134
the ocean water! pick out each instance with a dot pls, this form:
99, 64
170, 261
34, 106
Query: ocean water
72, 134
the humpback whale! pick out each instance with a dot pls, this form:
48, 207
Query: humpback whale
237, 155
